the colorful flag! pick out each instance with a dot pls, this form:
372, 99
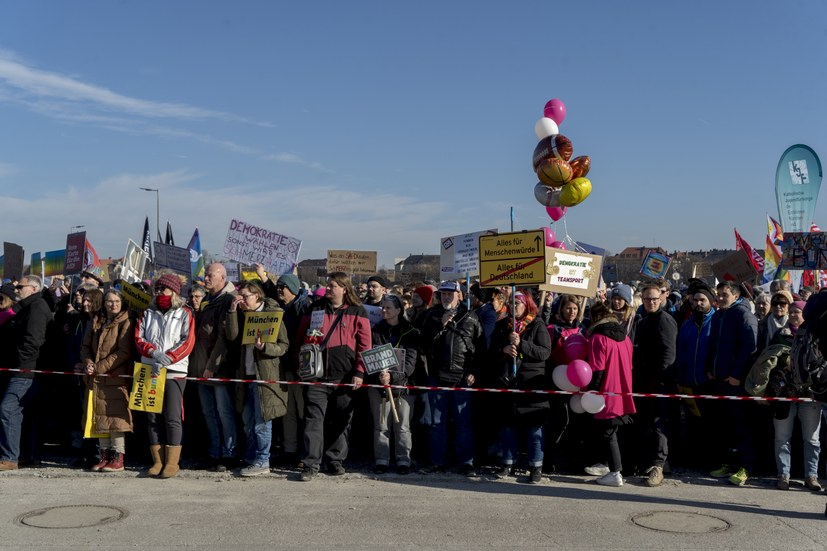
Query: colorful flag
755, 258
196, 258
774, 230
772, 259
169, 240
92, 264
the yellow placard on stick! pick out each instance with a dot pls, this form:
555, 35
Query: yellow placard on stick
261, 324
89, 422
147, 392
134, 297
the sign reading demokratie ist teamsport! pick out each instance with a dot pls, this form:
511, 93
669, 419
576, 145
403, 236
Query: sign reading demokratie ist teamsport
572, 273
252, 244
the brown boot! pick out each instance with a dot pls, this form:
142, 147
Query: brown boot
171, 466
157, 453
103, 462
115, 464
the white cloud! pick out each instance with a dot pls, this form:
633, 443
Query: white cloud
7, 169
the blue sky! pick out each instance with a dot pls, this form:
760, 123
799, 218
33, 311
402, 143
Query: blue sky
385, 126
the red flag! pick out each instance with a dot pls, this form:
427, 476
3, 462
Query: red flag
92, 263
755, 259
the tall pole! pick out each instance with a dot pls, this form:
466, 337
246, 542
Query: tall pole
157, 211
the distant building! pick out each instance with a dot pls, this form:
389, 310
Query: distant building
417, 267
313, 270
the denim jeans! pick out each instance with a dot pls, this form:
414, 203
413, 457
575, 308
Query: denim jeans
534, 444
219, 415
258, 431
447, 404
383, 423
809, 414
17, 394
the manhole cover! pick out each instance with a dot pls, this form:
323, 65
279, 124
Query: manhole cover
680, 522
72, 516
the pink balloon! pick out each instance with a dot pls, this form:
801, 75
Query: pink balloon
579, 373
556, 213
555, 110
549, 233
558, 245
576, 347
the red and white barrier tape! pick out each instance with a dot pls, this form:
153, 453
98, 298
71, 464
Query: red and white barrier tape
463, 389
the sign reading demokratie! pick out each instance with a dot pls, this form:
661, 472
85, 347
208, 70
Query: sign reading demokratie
351, 262
572, 273
517, 258
460, 254
250, 244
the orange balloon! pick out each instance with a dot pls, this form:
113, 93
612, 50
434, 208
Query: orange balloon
580, 166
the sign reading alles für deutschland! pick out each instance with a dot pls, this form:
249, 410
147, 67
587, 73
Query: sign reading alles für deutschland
517, 258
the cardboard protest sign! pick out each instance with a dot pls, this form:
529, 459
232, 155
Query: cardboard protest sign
374, 314
147, 391
351, 262
173, 258
135, 263
252, 244
572, 273
460, 254
12, 260
736, 267
380, 358
134, 297
75, 253
261, 324
804, 251
655, 265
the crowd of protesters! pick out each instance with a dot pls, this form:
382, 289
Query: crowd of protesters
723, 340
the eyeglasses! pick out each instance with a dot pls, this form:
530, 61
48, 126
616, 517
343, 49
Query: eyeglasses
655, 299
245, 297
18, 287
280, 287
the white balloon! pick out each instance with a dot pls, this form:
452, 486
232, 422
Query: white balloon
592, 403
546, 196
561, 379
546, 127
575, 404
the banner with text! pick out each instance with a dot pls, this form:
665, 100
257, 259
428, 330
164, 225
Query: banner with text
351, 262
572, 273
261, 324
804, 251
460, 254
251, 244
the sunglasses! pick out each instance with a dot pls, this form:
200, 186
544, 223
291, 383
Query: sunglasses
779, 303
19, 287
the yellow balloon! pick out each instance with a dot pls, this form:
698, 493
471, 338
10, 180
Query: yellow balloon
575, 192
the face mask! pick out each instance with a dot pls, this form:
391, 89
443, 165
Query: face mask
164, 302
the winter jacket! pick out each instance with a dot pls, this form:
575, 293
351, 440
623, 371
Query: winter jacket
656, 336
402, 335
25, 334
774, 356
610, 351
693, 343
172, 331
266, 362
732, 340
210, 350
294, 311
453, 350
559, 331
350, 337
111, 346
488, 319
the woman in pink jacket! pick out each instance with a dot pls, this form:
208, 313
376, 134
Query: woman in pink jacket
610, 357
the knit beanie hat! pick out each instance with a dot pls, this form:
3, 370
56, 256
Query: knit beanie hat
170, 281
291, 282
622, 291
426, 293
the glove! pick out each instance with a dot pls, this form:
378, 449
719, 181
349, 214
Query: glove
156, 370
161, 359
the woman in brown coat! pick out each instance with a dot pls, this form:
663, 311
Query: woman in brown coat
108, 351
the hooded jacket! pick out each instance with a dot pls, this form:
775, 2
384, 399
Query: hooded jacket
610, 351
693, 345
732, 340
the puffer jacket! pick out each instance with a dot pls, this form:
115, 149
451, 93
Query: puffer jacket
266, 362
693, 341
210, 350
732, 340
111, 346
454, 350
172, 331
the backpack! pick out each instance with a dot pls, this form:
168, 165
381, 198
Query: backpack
807, 372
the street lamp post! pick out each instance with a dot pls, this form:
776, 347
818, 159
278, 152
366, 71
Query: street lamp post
157, 210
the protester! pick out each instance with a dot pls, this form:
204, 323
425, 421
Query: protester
621, 305
106, 357
762, 306
197, 294
377, 287
165, 337
395, 330
565, 323
769, 325
329, 409
421, 300
260, 403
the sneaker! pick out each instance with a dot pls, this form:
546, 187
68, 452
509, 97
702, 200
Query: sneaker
403, 469
336, 469
504, 471
307, 474
783, 482
598, 469
431, 469
254, 470
722, 472
217, 465
655, 477
611, 479
739, 478
467, 469
811, 483
380, 469
8, 466
535, 475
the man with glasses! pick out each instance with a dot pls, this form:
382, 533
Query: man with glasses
732, 341
653, 372
22, 338
775, 320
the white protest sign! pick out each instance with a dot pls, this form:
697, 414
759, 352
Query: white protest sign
316, 319
252, 244
460, 254
374, 314
135, 262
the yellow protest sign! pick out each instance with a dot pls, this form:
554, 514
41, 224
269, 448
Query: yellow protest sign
261, 324
516, 258
89, 422
249, 274
147, 392
134, 297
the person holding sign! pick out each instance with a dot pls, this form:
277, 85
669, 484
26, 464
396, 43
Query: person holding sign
165, 337
394, 329
330, 408
106, 354
259, 403
523, 338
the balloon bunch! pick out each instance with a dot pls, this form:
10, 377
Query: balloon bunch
577, 374
563, 181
